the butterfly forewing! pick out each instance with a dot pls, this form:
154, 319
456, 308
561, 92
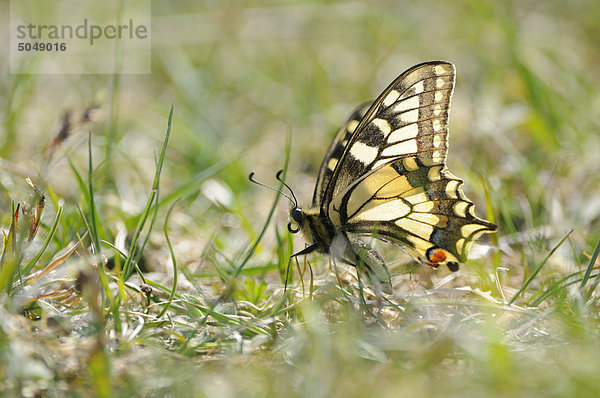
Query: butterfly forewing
335, 151
409, 118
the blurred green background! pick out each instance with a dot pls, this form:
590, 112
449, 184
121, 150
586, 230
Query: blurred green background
242, 76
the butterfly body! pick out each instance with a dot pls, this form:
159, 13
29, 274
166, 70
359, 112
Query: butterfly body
341, 245
385, 176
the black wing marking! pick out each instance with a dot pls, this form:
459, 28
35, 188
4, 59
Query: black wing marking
409, 118
335, 152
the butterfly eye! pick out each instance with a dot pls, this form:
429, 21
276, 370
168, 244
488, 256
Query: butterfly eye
297, 215
291, 229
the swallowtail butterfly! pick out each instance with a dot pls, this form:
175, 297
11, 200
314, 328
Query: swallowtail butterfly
385, 176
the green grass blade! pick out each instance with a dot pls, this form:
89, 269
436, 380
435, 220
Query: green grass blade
173, 260
93, 214
538, 269
124, 255
556, 287
11, 257
127, 267
590, 267
154, 210
288, 148
49, 237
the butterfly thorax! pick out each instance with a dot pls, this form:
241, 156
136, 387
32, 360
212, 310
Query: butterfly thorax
316, 227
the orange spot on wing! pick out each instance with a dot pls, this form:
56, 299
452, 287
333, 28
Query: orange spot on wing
436, 255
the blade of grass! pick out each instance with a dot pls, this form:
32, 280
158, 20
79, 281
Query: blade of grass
284, 251
588, 272
49, 237
95, 238
154, 211
122, 254
10, 260
288, 146
127, 267
538, 268
557, 286
590, 267
83, 187
173, 260
59, 236
10, 239
58, 259
92, 222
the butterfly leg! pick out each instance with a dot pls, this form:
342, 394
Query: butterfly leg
302, 252
363, 302
367, 261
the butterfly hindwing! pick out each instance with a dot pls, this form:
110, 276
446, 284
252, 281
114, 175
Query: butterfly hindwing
409, 118
422, 208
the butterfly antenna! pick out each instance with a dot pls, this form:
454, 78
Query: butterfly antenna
278, 176
294, 201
